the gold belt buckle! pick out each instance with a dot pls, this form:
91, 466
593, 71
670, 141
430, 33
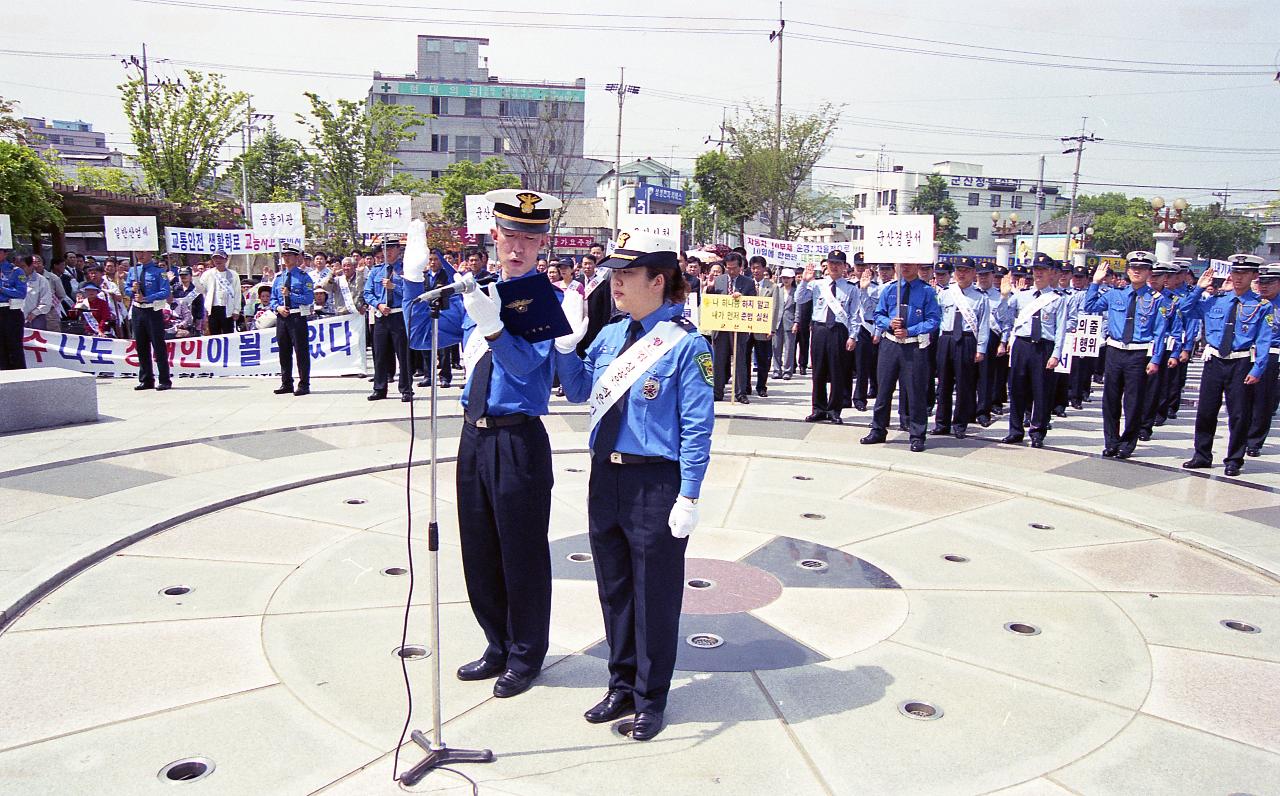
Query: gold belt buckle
482, 422
615, 457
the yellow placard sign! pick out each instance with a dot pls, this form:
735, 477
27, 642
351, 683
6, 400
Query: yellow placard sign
1114, 264
720, 313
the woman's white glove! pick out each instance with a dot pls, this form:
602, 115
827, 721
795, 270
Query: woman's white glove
483, 310
684, 517
574, 312
416, 252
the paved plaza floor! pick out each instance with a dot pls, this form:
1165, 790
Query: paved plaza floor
216, 574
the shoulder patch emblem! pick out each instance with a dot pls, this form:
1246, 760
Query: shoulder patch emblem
650, 388
704, 364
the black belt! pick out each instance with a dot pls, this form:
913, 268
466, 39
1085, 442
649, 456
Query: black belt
499, 421
630, 458
962, 334
1042, 340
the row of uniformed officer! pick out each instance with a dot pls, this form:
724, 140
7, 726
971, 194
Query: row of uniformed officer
1036, 319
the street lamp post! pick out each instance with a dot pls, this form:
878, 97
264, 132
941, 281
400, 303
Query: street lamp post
1003, 230
1169, 225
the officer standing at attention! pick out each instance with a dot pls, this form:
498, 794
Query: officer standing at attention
384, 292
149, 288
649, 374
962, 346
1136, 331
867, 348
13, 295
1234, 323
292, 299
1037, 318
504, 474
1167, 301
835, 302
989, 369
1266, 398
907, 314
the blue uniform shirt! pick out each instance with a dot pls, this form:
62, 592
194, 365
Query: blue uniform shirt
867, 301
842, 290
1053, 317
152, 280
1190, 327
301, 290
1254, 320
521, 379
1150, 315
13, 282
375, 294
981, 312
670, 408
923, 313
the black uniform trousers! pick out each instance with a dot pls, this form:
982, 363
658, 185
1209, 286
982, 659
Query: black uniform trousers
866, 354
391, 346
639, 573
291, 339
1266, 399
1029, 386
504, 481
958, 373
762, 353
1224, 377
849, 367
905, 366
1058, 391
988, 375
148, 335
220, 322
1124, 387
723, 349
1153, 398
829, 378
1003, 367
11, 355
804, 317
1173, 390
1080, 378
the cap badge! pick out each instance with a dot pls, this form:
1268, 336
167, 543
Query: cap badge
527, 201
622, 239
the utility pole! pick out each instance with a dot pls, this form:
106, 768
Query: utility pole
143, 68
1080, 141
721, 141
1223, 195
1035, 234
622, 90
777, 133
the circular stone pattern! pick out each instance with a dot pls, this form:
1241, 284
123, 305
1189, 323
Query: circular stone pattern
734, 587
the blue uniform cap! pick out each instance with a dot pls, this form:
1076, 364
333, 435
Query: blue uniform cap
1043, 260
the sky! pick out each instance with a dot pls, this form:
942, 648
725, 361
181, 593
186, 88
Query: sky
883, 65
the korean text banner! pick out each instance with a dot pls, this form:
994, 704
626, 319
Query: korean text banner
899, 239
278, 219
720, 313
337, 349
131, 233
386, 213
479, 215
789, 254
181, 240
6, 232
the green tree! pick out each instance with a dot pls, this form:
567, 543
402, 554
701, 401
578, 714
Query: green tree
1215, 234
724, 184
352, 154
275, 167
12, 127
467, 178
107, 178
26, 189
178, 130
1120, 223
931, 199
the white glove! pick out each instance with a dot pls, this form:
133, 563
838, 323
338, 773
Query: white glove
483, 310
416, 252
574, 312
684, 517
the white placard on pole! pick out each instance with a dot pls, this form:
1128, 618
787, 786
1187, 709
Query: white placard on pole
898, 239
1221, 268
387, 213
479, 215
6, 232
663, 225
278, 220
131, 233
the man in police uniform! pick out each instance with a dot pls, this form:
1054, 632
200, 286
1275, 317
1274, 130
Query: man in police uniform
866, 350
149, 288
991, 368
504, 473
1234, 323
1266, 397
293, 299
962, 346
13, 295
835, 302
384, 291
1037, 318
1156, 395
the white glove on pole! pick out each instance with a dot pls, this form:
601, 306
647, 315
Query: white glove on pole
483, 310
684, 517
416, 252
575, 311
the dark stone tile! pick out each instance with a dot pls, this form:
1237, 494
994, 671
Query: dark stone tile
445, 426
1120, 474
781, 429
1267, 515
749, 644
83, 480
781, 558
562, 567
272, 444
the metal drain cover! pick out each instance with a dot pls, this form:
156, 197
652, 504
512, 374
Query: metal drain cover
802, 477
704, 641
395, 571
1022, 628
1040, 526
1241, 627
188, 769
411, 652
175, 591
955, 559
624, 727
921, 711
579, 558
812, 565
354, 501
809, 515
700, 583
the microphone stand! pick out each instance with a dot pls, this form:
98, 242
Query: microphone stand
438, 755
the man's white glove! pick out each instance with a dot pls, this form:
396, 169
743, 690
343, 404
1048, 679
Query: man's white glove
684, 517
575, 313
483, 310
416, 253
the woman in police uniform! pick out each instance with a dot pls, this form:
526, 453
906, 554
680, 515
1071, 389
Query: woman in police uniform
650, 447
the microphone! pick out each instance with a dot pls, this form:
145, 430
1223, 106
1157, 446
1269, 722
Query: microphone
465, 284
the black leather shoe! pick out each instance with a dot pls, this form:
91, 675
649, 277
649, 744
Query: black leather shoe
1037, 442
480, 670
144, 387
902, 426
984, 421
647, 725
939, 431
616, 704
1076, 405
1124, 453
763, 392
1109, 453
511, 683
445, 384
874, 438
406, 397
283, 390
1144, 436
960, 432
861, 406
377, 396
1253, 452
917, 445
836, 419
1171, 416
1196, 464
425, 383
163, 387
1231, 469
302, 391
815, 417
1158, 422
742, 399
1012, 439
